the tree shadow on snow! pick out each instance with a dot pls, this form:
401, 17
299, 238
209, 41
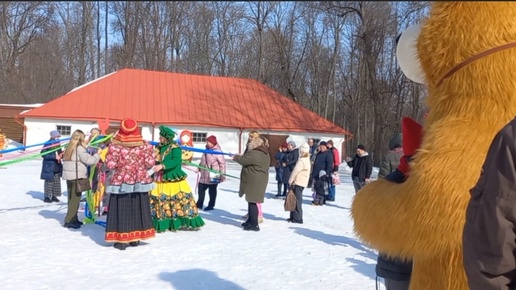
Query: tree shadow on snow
222, 217
228, 190
336, 241
197, 279
363, 268
40, 195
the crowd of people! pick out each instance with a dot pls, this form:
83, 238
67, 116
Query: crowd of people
145, 191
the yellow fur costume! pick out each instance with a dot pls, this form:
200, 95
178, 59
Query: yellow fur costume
423, 218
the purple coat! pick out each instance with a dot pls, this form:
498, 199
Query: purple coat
213, 161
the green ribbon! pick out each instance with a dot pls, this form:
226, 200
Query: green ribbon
33, 156
208, 169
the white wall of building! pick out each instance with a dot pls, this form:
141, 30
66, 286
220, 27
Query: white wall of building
38, 131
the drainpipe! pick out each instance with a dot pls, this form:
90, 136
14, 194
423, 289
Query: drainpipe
16, 119
153, 129
240, 140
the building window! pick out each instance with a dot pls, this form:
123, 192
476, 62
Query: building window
199, 137
64, 130
317, 141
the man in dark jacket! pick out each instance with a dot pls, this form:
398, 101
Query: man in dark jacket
289, 161
313, 151
362, 167
323, 161
489, 237
52, 168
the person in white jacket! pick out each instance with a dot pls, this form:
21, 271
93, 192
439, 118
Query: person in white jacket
298, 181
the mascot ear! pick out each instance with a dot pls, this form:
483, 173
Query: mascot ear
406, 53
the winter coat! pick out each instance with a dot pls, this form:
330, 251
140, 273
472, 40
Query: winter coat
290, 160
390, 162
69, 166
391, 159
321, 186
51, 165
130, 167
323, 161
255, 174
489, 236
212, 161
279, 169
336, 159
362, 166
301, 172
393, 268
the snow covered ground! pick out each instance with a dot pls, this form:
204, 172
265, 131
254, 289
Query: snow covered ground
323, 253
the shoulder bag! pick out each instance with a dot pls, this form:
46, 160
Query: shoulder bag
82, 184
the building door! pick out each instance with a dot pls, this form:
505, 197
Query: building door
274, 143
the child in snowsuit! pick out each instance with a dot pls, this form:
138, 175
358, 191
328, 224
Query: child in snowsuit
320, 188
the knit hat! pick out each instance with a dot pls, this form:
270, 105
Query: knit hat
291, 143
167, 133
304, 148
54, 134
322, 173
129, 133
361, 147
212, 139
323, 143
284, 145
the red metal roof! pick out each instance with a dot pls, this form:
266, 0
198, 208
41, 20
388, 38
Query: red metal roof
184, 99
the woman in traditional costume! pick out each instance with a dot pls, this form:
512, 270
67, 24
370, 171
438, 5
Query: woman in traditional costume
173, 205
129, 158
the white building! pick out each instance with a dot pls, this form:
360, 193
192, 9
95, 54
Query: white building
228, 108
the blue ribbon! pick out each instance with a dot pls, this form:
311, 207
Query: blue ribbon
29, 146
199, 150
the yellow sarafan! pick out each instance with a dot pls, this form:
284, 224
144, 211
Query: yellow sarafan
423, 218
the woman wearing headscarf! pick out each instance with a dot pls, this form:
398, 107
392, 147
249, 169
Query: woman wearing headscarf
209, 180
173, 206
254, 178
129, 158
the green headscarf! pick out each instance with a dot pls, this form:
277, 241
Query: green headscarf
167, 133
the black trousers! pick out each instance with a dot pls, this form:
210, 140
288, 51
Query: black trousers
297, 214
252, 209
212, 191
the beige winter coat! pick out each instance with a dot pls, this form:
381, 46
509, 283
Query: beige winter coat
85, 159
301, 172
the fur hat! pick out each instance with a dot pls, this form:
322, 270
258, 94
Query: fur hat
54, 134
128, 134
167, 133
304, 148
212, 139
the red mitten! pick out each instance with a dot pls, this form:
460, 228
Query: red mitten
412, 137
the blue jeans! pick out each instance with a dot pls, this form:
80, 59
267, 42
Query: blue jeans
331, 191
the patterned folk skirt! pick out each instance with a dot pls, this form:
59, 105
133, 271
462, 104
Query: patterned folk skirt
173, 207
129, 218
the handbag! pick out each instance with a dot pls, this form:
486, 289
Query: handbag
82, 184
290, 201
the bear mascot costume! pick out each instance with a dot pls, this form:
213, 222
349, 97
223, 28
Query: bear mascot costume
465, 53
